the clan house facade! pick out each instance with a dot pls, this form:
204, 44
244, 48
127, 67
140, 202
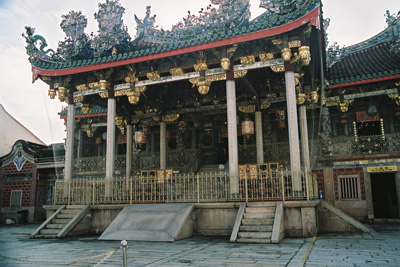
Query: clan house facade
218, 109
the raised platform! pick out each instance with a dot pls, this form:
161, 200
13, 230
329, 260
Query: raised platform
151, 222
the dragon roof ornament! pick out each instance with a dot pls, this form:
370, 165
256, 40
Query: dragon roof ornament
219, 20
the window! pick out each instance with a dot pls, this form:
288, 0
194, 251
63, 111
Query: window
349, 187
16, 198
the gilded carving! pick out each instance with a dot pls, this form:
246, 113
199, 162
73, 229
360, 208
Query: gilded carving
295, 43
103, 95
122, 92
176, 71
247, 109
82, 87
153, 75
286, 54
78, 99
52, 93
394, 96
86, 108
300, 98
265, 105
266, 56
170, 118
217, 77
104, 85
203, 87
94, 85
278, 68
277, 41
305, 55
247, 60
62, 94
225, 64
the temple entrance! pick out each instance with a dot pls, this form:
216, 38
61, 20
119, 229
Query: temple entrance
384, 195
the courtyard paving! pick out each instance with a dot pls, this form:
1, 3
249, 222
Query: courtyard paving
381, 248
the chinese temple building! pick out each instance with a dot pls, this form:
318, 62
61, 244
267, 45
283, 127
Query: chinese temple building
235, 123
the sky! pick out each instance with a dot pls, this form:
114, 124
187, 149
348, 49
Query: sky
351, 22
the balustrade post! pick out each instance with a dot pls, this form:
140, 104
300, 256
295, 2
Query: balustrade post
198, 189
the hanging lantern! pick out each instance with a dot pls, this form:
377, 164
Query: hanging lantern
397, 113
343, 119
182, 125
90, 132
140, 137
208, 127
168, 134
280, 118
247, 127
224, 131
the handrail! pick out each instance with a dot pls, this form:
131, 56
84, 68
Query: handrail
194, 163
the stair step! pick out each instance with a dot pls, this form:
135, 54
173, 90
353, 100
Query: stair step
261, 204
44, 236
60, 221
75, 207
49, 231
255, 228
254, 240
257, 221
259, 209
256, 235
259, 215
65, 216
70, 211
55, 226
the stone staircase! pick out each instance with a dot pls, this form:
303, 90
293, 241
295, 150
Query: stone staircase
257, 223
209, 168
61, 222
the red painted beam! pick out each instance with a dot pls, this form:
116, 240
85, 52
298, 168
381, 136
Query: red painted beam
381, 79
85, 116
313, 17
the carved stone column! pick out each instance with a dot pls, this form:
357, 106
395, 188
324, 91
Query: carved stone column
233, 157
304, 137
129, 145
163, 146
110, 149
259, 138
69, 147
294, 146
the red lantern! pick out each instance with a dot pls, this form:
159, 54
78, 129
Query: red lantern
168, 134
343, 119
280, 118
140, 137
224, 131
247, 127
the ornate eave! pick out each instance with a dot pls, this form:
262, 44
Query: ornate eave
374, 60
21, 150
262, 27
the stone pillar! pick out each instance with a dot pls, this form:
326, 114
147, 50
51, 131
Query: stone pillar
259, 138
129, 145
79, 146
233, 156
304, 137
110, 149
69, 147
294, 146
163, 146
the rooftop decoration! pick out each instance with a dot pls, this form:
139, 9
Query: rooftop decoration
219, 20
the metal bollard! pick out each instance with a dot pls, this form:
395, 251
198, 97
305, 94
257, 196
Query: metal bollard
124, 246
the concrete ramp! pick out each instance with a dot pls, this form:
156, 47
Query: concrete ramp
152, 222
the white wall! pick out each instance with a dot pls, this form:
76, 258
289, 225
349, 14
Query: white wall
11, 131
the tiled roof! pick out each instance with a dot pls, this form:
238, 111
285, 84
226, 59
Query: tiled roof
374, 62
